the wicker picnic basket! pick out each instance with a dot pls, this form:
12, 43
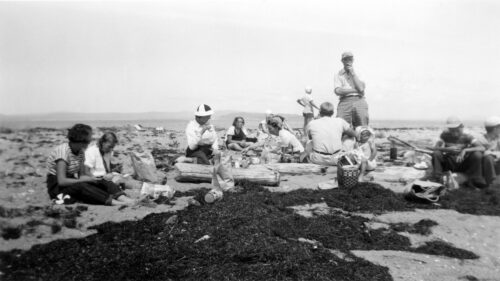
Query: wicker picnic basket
347, 172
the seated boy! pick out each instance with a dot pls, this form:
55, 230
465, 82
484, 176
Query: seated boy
457, 151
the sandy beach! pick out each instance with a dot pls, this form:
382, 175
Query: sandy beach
28, 217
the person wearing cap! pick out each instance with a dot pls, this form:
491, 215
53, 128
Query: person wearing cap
351, 92
263, 129
307, 102
202, 139
491, 142
457, 151
287, 139
325, 136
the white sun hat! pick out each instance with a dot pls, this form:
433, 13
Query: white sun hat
203, 110
453, 122
308, 89
269, 112
492, 121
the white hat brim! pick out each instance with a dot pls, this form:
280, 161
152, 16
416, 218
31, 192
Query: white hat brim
452, 126
203, 114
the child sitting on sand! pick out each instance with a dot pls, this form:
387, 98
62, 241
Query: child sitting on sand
365, 151
98, 162
67, 176
236, 135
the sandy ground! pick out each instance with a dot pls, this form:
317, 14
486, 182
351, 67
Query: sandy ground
24, 202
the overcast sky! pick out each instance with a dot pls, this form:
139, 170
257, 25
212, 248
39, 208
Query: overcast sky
419, 59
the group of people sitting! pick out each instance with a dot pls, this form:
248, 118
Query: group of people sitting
85, 173
78, 171
476, 156
326, 138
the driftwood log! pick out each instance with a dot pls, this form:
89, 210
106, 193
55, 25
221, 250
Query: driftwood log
299, 169
187, 172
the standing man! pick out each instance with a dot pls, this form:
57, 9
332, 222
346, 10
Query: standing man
351, 92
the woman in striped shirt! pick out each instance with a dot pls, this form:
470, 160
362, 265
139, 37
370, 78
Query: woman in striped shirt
66, 173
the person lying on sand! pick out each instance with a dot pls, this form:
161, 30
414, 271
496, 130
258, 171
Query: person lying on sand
491, 142
236, 136
457, 151
98, 162
365, 151
325, 136
201, 136
66, 174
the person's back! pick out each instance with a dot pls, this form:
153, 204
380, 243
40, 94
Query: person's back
326, 134
306, 101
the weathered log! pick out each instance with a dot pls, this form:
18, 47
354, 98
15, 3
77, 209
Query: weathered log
187, 172
299, 169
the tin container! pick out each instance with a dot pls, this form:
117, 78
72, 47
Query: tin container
254, 160
213, 195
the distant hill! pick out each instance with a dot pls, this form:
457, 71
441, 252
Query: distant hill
75, 116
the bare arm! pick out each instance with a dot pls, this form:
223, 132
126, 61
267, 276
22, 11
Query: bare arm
350, 133
314, 105
62, 180
358, 84
342, 91
373, 150
299, 101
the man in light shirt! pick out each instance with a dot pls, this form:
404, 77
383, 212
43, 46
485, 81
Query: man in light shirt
325, 134
202, 139
491, 142
351, 92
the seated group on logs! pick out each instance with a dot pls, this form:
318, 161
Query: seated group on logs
79, 172
326, 138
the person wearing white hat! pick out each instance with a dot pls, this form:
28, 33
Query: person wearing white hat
308, 103
457, 151
491, 142
351, 92
201, 137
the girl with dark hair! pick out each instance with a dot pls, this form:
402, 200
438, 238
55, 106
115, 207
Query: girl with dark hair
66, 174
236, 135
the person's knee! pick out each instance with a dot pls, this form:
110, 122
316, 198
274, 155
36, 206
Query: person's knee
476, 155
437, 154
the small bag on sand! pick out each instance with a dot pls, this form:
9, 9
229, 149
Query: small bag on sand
222, 176
424, 191
157, 190
144, 166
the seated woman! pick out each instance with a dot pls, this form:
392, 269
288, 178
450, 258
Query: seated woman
236, 136
98, 162
201, 136
67, 176
287, 139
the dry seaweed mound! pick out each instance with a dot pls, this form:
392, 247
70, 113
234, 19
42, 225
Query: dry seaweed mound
422, 227
475, 202
251, 235
442, 248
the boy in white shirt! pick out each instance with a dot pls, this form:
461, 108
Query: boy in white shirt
307, 102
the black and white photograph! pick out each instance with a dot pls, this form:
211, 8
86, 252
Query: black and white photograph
250, 140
